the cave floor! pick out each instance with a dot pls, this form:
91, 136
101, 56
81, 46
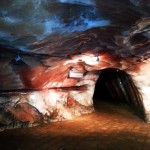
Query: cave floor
111, 128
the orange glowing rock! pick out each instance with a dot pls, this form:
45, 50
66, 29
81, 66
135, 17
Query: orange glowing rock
70, 102
24, 112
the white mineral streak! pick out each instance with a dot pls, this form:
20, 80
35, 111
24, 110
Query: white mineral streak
52, 84
36, 100
84, 98
46, 101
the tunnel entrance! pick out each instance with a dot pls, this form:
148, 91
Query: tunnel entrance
117, 87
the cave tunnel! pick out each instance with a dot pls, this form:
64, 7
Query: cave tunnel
116, 87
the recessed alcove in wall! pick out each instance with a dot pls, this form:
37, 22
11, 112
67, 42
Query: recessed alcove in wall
117, 87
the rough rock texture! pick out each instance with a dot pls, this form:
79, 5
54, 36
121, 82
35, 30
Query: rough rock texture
55, 80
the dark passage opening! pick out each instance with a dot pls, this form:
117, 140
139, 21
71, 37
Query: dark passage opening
117, 87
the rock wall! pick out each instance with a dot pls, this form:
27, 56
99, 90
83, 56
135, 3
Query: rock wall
141, 80
49, 85
25, 108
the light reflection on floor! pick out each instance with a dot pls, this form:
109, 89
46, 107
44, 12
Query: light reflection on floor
113, 128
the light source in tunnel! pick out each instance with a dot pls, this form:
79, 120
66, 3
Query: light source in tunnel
18, 58
89, 59
97, 58
93, 59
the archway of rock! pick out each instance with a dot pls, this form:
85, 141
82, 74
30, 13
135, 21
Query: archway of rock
117, 87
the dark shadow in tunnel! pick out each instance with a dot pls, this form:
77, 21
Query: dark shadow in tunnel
116, 87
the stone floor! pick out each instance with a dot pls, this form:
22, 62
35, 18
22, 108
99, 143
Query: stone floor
111, 128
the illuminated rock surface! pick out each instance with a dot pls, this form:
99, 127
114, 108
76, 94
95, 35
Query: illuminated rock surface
53, 76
